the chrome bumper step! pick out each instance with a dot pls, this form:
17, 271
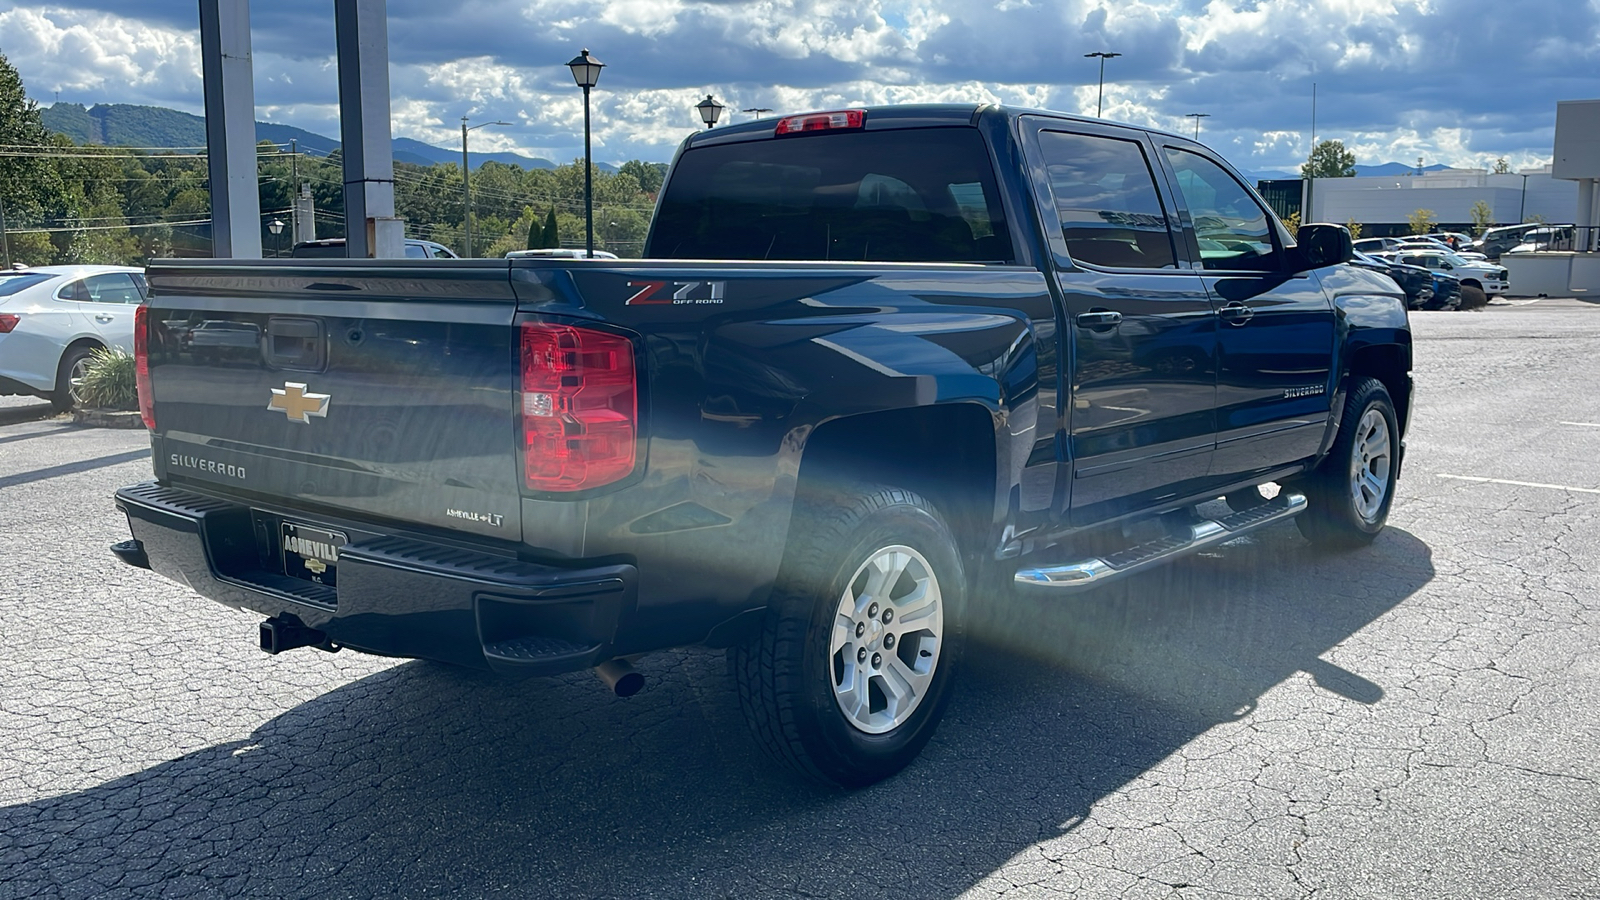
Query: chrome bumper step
1095, 571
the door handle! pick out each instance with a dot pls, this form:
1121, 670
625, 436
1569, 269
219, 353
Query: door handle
1236, 313
102, 317
1099, 318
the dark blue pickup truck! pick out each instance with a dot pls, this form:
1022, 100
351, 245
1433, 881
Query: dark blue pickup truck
879, 367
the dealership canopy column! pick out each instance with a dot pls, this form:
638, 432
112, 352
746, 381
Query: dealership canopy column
361, 26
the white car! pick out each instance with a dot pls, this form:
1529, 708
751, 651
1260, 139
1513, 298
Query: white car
53, 317
1424, 243
1485, 276
558, 253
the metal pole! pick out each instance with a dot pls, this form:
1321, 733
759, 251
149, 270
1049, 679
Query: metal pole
5, 243
466, 192
1311, 181
588, 178
1100, 98
294, 189
1522, 213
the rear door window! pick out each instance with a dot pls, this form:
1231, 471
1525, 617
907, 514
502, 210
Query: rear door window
911, 195
1106, 199
112, 287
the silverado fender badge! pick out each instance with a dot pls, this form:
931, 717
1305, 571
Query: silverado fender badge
294, 401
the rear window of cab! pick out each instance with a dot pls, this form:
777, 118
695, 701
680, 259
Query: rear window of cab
907, 195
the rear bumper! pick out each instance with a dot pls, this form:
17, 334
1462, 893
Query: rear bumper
396, 596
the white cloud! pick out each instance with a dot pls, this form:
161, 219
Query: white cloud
1395, 77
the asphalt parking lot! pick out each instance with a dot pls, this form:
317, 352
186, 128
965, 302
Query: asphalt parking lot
1419, 719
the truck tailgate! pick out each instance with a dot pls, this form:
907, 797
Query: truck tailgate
385, 389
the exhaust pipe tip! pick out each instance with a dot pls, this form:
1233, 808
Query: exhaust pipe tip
620, 676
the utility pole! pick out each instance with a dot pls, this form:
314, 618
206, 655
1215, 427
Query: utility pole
5, 243
466, 182
294, 188
1308, 173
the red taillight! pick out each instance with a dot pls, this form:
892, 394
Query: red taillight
580, 407
828, 121
141, 362
8, 322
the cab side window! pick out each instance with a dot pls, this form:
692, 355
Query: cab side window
1234, 230
1105, 196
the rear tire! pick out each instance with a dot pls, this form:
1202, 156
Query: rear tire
1349, 494
69, 371
852, 669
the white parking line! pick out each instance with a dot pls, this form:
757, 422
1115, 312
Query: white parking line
1583, 424
1532, 484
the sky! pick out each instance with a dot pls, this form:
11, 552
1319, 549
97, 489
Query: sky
1458, 82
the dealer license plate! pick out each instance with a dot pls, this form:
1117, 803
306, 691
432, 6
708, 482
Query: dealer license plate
311, 553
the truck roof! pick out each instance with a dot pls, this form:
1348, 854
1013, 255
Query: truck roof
908, 115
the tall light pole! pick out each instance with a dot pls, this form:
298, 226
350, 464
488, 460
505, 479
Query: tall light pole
710, 110
1099, 103
466, 184
1197, 117
586, 72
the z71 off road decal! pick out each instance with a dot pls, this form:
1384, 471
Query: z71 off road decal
701, 292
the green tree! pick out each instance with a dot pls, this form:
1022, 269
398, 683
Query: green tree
552, 234
1293, 224
1482, 217
1421, 221
1501, 167
1354, 228
535, 235
648, 175
30, 185
1329, 160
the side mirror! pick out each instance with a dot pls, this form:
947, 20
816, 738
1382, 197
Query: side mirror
1322, 245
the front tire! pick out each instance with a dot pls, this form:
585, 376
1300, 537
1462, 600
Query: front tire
852, 669
1350, 493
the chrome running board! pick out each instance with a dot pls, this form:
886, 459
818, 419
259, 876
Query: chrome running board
1093, 572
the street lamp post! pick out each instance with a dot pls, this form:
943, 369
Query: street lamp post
710, 111
466, 184
276, 227
1099, 103
586, 72
1197, 117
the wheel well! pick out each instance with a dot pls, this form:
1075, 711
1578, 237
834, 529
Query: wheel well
1472, 282
1390, 364
89, 343
945, 453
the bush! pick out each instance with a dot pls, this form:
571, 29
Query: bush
109, 382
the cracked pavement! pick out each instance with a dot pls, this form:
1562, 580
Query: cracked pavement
1417, 719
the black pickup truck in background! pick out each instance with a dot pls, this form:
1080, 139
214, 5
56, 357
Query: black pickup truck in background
879, 367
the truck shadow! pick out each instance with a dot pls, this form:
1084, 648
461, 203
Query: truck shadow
425, 781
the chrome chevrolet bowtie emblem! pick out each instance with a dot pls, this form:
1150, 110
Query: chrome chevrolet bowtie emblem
294, 401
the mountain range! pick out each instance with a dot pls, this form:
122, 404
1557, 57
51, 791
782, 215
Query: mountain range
126, 125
